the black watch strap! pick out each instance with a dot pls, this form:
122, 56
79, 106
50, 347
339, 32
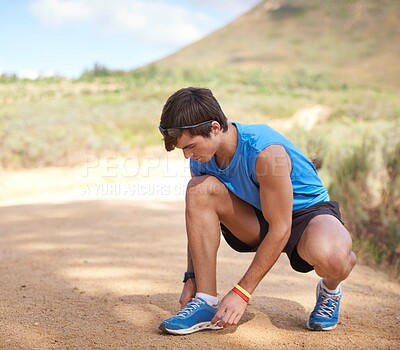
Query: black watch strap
188, 275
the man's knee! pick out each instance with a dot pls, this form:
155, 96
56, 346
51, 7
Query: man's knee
336, 262
203, 192
341, 263
329, 247
204, 186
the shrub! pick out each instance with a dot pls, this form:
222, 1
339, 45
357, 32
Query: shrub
349, 186
390, 206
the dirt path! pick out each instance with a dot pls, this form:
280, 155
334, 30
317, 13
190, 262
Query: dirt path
103, 274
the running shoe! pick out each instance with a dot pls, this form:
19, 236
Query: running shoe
325, 315
195, 316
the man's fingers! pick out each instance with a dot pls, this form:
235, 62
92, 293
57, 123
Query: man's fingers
237, 319
184, 302
225, 320
217, 317
229, 318
232, 319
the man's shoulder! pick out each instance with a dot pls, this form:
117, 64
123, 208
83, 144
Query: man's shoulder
255, 137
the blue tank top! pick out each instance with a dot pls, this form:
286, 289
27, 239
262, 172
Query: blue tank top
240, 175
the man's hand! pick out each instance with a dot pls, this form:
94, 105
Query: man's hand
188, 292
230, 310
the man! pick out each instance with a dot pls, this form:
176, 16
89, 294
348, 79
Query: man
258, 189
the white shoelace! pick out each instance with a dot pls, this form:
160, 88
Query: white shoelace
326, 309
187, 310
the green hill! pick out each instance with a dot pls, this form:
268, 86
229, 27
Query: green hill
353, 40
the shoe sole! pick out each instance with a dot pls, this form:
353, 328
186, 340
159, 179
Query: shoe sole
203, 326
320, 328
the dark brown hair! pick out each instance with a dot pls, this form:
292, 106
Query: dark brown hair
189, 106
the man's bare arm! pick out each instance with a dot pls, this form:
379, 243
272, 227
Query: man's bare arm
276, 194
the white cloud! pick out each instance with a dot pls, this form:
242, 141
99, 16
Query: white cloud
58, 12
155, 22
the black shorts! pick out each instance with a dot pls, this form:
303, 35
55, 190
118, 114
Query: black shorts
300, 220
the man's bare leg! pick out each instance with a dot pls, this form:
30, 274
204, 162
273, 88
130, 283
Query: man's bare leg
327, 245
208, 202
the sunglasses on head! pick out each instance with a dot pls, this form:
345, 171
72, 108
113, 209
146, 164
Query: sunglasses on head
177, 130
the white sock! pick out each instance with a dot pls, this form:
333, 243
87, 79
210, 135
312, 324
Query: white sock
209, 299
337, 290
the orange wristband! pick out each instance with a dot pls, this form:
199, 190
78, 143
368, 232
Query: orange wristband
243, 293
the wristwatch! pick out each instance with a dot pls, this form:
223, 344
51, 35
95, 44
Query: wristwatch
188, 275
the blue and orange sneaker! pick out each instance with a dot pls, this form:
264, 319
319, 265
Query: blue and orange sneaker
195, 316
325, 315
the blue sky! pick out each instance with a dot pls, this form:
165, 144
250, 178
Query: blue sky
67, 36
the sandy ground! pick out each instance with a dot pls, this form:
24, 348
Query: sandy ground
101, 271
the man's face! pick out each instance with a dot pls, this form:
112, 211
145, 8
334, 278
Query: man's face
198, 148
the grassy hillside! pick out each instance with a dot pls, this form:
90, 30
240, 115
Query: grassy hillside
58, 121
352, 40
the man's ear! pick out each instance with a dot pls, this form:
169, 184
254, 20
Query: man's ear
215, 127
